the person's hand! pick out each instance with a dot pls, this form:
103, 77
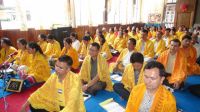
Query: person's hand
84, 87
176, 85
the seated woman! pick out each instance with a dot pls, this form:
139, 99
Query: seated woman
105, 50
23, 57
84, 47
7, 52
75, 42
70, 51
39, 70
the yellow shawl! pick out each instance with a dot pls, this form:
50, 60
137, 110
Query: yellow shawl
39, 68
128, 78
73, 54
5, 53
105, 49
163, 101
43, 45
180, 68
160, 47
148, 48
120, 43
23, 58
103, 71
45, 96
53, 49
110, 38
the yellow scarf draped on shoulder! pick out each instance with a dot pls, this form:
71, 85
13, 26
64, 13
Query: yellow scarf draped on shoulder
45, 96
160, 47
73, 54
23, 58
39, 67
148, 48
5, 53
53, 49
43, 45
103, 71
180, 66
105, 49
163, 101
128, 78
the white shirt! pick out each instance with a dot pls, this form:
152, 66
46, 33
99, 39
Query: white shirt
76, 44
126, 59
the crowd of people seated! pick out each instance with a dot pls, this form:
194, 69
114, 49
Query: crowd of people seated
151, 60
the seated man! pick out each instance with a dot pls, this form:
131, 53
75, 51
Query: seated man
159, 44
61, 92
94, 71
175, 63
124, 58
145, 46
133, 75
151, 96
191, 55
110, 38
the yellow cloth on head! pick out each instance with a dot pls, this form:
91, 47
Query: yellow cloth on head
4, 54
148, 48
39, 68
163, 101
102, 71
128, 77
45, 96
53, 49
180, 66
73, 54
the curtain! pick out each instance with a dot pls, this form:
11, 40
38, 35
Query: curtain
89, 12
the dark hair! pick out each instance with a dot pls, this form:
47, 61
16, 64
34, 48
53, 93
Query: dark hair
103, 39
145, 31
132, 40
66, 59
86, 38
22, 41
125, 31
168, 29
43, 36
7, 41
137, 57
112, 29
173, 29
186, 37
156, 64
73, 34
68, 40
34, 45
94, 44
50, 36
176, 41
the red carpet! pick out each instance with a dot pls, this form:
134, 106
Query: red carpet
16, 100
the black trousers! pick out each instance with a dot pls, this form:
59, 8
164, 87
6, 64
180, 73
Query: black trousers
119, 89
40, 110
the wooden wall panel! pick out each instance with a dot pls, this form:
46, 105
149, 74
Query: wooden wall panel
185, 18
30, 35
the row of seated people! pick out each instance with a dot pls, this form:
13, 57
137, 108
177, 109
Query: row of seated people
88, 73
62, 91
